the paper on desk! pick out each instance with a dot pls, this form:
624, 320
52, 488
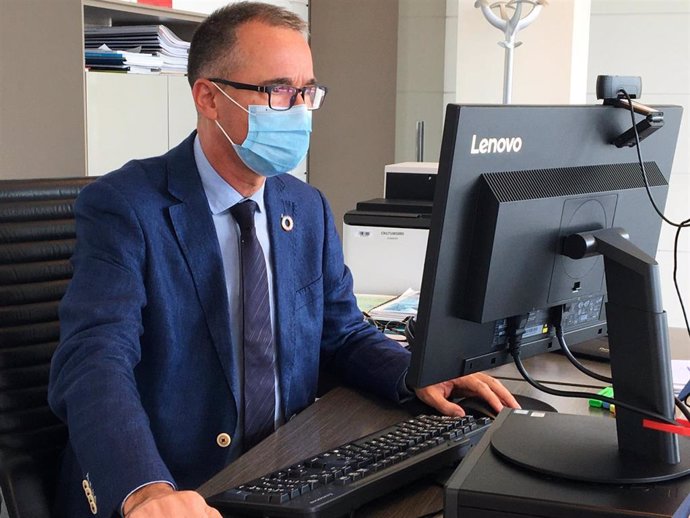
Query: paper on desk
399, 308
367, 301
680, 370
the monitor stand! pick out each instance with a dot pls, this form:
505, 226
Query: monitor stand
582, 448
620, 451
542, 464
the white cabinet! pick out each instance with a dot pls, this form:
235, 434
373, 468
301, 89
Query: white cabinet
134, 116
57, 120
181, 110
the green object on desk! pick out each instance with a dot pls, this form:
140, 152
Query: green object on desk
607, 391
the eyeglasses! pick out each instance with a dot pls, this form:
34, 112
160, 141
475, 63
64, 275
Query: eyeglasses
282, 97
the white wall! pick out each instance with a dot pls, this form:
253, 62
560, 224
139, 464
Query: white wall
421, 60
550, 67
448, 53
651, 39
208, 6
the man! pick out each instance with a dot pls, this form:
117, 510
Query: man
172, 327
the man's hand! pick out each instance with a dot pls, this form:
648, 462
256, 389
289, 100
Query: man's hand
162, 501
479, 384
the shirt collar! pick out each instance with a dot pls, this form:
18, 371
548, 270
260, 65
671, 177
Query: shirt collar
219, 193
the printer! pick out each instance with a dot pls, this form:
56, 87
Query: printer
384, 239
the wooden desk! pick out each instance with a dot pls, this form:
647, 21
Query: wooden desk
344, 415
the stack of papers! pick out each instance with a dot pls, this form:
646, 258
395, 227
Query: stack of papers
146, 48
143, 63
105, 59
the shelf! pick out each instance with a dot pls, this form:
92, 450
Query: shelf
118, 12
128, 11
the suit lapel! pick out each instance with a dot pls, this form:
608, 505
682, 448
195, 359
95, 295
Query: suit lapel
193, 224
283, 257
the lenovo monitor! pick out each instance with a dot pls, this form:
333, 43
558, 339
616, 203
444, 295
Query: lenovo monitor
540, 222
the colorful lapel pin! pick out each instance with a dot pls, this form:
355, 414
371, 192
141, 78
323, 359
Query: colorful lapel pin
286, 223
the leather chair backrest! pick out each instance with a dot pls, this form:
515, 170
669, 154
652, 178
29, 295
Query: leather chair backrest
37, 237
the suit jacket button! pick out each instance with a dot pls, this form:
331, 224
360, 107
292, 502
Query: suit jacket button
223, 440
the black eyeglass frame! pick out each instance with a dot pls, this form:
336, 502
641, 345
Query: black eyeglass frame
266, 89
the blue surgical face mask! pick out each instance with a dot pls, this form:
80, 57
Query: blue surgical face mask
277, 141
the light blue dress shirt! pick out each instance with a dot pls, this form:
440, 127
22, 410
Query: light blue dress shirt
221, 196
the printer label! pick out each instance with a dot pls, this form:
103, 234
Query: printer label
389, 234
495, 145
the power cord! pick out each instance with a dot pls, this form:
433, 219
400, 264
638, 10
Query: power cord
393, 329
410, 331
556, 314
576, 363
683, 408
514, 337
678, 226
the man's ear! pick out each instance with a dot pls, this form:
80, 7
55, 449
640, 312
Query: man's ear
204, 96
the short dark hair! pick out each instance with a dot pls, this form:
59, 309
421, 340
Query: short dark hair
213, 44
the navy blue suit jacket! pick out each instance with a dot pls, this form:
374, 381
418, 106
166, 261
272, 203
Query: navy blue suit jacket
144, 375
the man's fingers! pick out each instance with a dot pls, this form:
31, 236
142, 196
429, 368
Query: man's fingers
479, 384
486, 392
503, 394
178, 504
437, 400
486, 387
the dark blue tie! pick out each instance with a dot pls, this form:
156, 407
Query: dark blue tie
259, 359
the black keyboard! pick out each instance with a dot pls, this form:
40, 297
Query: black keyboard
340, 480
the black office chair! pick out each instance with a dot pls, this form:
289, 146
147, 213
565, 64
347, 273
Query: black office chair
37, 238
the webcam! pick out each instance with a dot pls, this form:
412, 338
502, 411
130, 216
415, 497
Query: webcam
612, 90
612, 87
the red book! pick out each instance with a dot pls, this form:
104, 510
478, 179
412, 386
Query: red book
160, 3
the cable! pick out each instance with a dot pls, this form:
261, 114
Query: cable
394, 329
675, 275
409, 331
585, 395
685, 223
515, 328
556, 318
568, 354
576, 363
683, 408
678, 226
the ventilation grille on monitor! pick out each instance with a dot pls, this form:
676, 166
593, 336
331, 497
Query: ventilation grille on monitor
570, 181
